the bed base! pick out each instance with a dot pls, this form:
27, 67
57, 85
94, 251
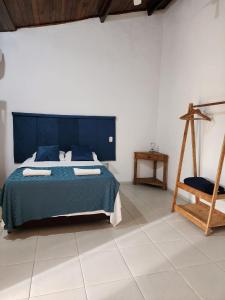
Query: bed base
63, 221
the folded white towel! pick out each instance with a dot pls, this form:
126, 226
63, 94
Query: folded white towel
36, 172
81, 172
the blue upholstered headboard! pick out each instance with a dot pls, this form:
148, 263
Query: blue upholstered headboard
33, 130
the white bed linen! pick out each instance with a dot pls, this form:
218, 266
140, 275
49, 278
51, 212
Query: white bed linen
29, 163
115, 217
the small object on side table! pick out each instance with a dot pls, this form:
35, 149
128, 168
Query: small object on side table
155, 157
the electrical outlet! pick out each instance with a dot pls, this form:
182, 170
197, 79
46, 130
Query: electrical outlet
137, 2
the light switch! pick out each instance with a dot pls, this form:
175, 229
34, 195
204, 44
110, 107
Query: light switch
137, 2
110, 139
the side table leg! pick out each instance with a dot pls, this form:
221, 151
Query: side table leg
154, 168
165, 172
135, 171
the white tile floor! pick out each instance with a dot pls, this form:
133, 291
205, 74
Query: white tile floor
152, 255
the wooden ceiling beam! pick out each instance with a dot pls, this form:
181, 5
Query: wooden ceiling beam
6, 23
104, 10
154, 5
24, 13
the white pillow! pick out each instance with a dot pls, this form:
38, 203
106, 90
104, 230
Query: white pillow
61, 156
68, 156
95, 157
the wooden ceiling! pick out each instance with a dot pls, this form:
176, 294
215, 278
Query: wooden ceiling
24, 13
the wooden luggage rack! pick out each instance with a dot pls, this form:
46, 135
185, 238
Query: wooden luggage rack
203, 215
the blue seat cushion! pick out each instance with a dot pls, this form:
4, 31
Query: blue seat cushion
203, 185
81, 153
47, 153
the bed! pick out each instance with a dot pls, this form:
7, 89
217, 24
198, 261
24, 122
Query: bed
62, 194
31, 198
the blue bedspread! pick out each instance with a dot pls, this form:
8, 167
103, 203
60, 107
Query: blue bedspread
38, 197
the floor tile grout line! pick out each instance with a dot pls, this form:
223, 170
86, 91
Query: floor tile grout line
170, 262
152, 274
193, 266
53, 258
139, 225
176, 270
159, 250
135, 221
129, 270
134, 246
192, 288
192, 244
17, 264
117, 280
188, 241
36, 261
76, 244
52, 293
32, 273
197, 248
108, 282
217, 264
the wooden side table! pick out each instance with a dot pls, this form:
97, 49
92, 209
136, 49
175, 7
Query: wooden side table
155, 157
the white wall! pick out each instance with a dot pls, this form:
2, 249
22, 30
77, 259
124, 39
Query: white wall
113, 69
192, 69
85, 68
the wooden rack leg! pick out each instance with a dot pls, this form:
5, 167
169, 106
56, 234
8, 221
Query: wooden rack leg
217, 182
180, 163
194, 149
